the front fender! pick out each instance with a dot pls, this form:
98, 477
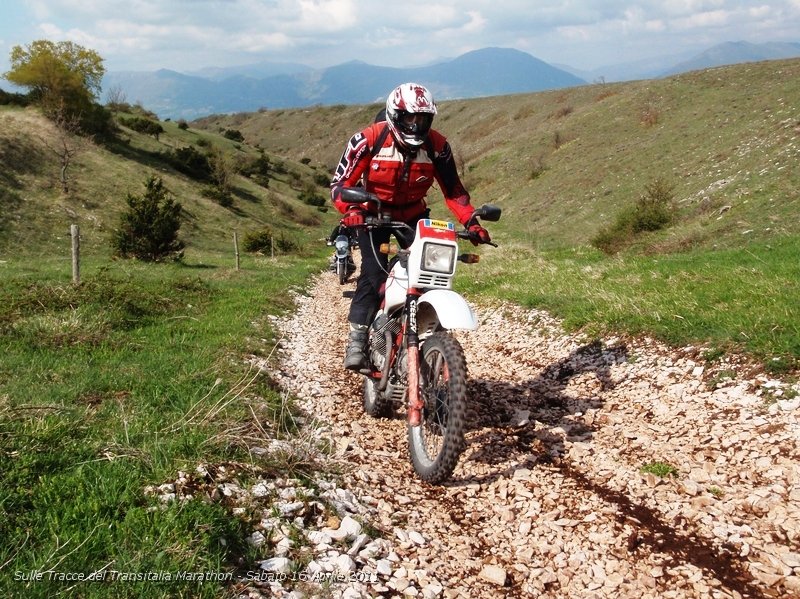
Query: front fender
446, 308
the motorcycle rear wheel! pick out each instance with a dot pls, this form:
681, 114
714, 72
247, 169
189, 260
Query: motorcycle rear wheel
435, 446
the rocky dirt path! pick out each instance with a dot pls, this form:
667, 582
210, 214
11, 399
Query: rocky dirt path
550, 499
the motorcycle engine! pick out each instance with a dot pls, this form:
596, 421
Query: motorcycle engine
378, 347
379, 350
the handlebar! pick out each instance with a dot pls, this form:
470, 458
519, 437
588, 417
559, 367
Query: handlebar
359, 196
465, 234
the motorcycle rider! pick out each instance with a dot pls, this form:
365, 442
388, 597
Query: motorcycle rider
398, 160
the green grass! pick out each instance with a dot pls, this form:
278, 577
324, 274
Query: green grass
741, 299
725, 142
118, 384
659, 469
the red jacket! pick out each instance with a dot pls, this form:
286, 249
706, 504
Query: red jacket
401, 181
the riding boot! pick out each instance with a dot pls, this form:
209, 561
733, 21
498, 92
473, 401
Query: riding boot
355, 358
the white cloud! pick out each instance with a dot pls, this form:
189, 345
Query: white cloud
185, 34
713, 18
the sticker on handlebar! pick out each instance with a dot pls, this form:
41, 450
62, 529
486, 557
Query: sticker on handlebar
437, 229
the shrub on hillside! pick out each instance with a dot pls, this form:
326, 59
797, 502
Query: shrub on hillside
9, 98
257, 166
191, 162
311, 196
143, 125
221, 196
653, 211
258, 241
233, 134
148, 229
264, 241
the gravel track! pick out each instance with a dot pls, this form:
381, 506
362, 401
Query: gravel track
549, 499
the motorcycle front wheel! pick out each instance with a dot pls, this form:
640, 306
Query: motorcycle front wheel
341, 271
436, 444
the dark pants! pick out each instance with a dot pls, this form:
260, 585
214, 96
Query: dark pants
374, 269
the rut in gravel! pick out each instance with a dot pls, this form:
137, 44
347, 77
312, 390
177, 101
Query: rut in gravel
550, 498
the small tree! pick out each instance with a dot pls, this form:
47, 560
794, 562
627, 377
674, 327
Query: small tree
62, 76
148, 230
65, 144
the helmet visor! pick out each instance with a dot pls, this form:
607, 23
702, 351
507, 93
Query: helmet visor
416, 124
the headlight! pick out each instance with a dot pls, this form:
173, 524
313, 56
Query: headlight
438, 258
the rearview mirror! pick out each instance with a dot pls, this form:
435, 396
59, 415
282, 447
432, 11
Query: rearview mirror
489, 212
354, 195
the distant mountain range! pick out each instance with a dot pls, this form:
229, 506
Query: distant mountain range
682, 62
486, 72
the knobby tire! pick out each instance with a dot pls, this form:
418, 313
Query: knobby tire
435, 446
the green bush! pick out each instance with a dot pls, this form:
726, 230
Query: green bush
652, 211
143, 125
264, 241
233, 134
257, 166
286, 245
191, 162
258, 241
148, 230
312, 197
14, 98
220, 196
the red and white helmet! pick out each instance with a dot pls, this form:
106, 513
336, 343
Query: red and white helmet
406, 101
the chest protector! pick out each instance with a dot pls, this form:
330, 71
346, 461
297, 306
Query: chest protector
401, 179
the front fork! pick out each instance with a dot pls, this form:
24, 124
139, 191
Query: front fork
415, 403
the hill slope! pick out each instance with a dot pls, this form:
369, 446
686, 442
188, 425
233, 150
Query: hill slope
564, 162
36, 214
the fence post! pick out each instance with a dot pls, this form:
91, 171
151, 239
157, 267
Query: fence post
236, 248
75, 233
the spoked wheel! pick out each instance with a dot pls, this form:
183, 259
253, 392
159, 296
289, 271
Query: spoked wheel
436, 444
341, 271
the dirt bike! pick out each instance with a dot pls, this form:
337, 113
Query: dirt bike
414, 360
342, 260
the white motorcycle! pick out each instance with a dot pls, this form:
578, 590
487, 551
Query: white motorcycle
414, 361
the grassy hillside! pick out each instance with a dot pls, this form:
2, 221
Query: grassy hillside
563, 165
563, 162
36, 213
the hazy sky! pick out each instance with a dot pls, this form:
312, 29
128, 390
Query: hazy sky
184, 35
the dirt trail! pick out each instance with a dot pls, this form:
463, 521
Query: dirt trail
549, 499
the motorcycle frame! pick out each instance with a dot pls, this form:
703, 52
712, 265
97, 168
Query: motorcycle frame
441, 308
